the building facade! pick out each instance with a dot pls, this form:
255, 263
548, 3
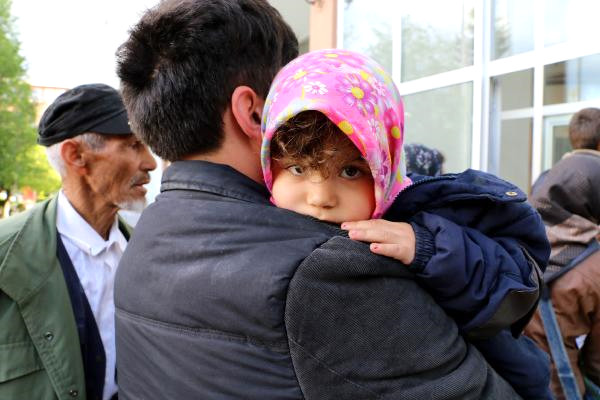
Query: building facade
490, 83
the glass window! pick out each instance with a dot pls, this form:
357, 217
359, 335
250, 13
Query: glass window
556, 139
515, 152
513, 27
368, 29
572, 80
569, 20
442, 119
514, 90
510, 141
437, 36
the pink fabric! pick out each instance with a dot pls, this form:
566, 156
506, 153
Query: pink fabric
357, 95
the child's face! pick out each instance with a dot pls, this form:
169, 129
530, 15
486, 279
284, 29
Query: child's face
340, 190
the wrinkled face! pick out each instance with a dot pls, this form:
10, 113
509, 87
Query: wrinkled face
340, 190
119, 169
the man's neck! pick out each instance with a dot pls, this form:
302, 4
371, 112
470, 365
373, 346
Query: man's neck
237, 150
239, 165
95, 211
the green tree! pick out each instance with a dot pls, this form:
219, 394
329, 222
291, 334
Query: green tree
22, 162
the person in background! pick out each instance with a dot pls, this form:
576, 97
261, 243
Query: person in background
58, 260
422, 160
584, 135
568, 199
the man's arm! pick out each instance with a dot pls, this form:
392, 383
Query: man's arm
360, 327
486, 283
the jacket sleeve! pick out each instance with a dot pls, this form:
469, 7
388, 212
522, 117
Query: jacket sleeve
360, 327
487, 275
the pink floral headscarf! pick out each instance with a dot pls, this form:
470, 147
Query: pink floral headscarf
357, 95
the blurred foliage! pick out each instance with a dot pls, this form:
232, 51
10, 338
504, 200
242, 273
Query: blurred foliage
22, 161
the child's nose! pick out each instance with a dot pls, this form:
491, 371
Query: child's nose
321, 194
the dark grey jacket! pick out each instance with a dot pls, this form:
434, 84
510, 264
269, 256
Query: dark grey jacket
222, 296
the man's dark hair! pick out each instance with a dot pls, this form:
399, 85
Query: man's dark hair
183, 61
584, 129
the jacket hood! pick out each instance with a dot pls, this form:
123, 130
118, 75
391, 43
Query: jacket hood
569, 202
571, 188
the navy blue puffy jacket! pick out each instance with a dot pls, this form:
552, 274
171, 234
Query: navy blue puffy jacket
480, 252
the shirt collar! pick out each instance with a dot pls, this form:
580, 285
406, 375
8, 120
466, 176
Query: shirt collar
71, 224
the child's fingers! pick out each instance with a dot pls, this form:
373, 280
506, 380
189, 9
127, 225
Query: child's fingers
392, 250
370, 224
380, 231
392, 239
364, 224
375, 234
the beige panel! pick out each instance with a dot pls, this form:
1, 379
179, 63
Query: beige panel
323, 24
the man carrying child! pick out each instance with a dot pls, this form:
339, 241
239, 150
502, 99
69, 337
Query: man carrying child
214, 292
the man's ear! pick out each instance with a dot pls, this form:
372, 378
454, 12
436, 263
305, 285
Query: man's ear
247, 107
73, 155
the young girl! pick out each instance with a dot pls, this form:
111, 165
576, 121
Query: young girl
332, 150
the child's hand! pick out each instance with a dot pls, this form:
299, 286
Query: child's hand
391, 239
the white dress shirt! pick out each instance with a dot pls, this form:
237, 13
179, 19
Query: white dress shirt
95, 261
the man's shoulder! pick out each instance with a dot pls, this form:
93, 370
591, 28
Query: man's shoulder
14, 224
215, 216
340, 253
26, 240
587, 272
343, 300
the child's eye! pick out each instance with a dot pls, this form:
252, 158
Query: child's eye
295, 170
350, 172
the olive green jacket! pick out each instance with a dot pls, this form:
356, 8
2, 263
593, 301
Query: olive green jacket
40, 355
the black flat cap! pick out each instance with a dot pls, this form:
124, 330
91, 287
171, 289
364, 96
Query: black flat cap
94, 108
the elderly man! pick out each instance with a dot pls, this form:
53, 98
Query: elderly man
58, 260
